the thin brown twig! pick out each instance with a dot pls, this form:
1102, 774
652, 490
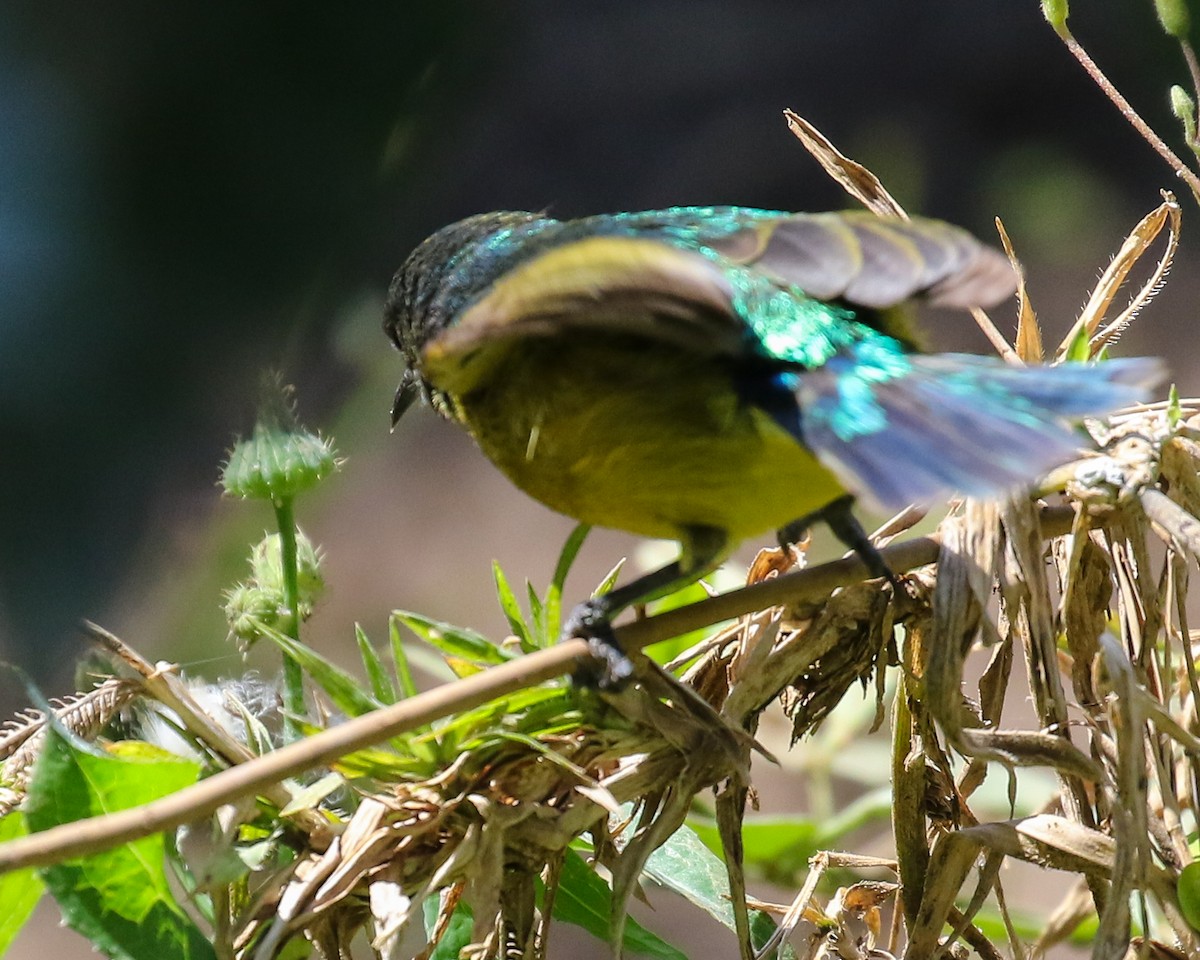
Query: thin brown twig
1182, 171
995, 337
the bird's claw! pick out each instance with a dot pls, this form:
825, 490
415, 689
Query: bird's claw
606, 666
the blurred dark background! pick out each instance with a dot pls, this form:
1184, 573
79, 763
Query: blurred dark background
189, 194
194, 191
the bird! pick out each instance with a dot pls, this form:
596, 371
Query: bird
711, 374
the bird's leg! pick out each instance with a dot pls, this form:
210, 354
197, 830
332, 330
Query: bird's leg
609, 667
840, 519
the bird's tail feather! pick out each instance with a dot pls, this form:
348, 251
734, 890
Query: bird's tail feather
957, 422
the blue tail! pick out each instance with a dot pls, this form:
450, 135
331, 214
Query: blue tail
914, 429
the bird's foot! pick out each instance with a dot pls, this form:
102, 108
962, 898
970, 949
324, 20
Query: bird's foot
841, 521
606, 666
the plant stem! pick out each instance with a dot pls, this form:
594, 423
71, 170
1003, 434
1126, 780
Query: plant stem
1182, 171
293, 676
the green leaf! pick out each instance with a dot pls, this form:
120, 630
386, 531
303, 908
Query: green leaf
309, 795
119, 899
780, 847
684, 864
554, 592
667, 650
343, 689
453, 641
19, 891
610, 578
542, 637
381, 684
1174, 408
585, 900
1080, 348
512, 609
529, 704
457, 935
404, 677
1188, 888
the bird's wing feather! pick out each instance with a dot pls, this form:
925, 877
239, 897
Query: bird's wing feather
618, 284
956, 422
871, 261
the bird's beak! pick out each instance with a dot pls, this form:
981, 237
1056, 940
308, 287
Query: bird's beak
406, 393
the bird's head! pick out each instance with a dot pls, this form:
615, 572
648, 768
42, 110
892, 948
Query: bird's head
438, 279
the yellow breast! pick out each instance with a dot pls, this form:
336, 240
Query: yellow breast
648, 439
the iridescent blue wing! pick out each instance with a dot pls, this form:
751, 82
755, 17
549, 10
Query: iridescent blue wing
955, 422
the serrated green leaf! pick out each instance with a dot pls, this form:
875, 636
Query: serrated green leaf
512, 609
585, 900
454, 641
20, 890
684, 864
119, 899
381, 684
344, 690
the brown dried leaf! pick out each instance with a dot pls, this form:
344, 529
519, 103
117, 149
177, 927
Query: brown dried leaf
1029, 332
1132, 250
854, 178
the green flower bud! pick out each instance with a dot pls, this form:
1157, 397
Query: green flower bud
1056, 13
266, 567
1174, 17
261, 601
277, 463
248, 609
1184, 107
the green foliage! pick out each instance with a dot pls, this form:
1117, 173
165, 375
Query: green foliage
119, 899
684, 864
1188, 889
20, 890
585, 900
457, 934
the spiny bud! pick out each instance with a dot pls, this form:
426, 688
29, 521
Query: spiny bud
281, 458
260, 602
